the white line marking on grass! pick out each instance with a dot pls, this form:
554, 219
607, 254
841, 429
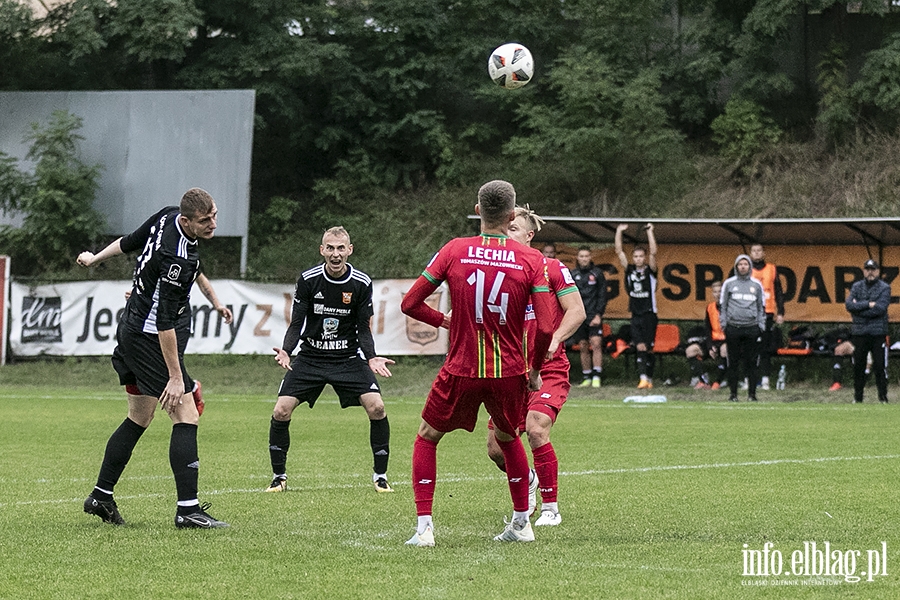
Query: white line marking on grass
453, 479
758, 463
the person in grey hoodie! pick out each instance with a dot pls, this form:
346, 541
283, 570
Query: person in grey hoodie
743, 319
868, 305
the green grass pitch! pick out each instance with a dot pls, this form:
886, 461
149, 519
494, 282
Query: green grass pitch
658, 501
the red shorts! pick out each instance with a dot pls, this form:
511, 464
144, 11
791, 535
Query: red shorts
454, 401
549, 399
553, 394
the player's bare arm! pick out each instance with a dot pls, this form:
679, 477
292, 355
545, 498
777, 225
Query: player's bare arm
534, 380
89, 259
651, 246
619, 251
174, 393
207, 290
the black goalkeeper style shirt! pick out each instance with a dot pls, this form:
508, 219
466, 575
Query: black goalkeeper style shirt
330, 317
163, 273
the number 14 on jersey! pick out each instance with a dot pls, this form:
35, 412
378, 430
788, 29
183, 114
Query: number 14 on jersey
478, 280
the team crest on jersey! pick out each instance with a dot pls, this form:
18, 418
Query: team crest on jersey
347, 297
174, 272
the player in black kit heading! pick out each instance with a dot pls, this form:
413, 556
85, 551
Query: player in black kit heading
330, 321
640, 283
149, 357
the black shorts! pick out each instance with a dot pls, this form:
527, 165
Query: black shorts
585, 332
643, 329
139, 361
350, 378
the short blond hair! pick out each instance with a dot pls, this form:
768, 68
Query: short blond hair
336, 232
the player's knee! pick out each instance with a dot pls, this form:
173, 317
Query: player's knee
538, 436
282, 411
376, 413
141, 418
188, 419
493, 451
374, 405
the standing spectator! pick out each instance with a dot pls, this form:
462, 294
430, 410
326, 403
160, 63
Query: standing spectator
767, 274
743, 318
868, 305
544, 404
640, 283
330, 322
591, 285
549, 251
492, 279
149, 355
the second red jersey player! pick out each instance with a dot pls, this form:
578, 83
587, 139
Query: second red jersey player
568, 313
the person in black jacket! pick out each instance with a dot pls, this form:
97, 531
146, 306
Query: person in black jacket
868, 305
591, 284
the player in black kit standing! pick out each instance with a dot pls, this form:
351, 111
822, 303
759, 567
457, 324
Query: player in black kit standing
640, 283
149, 357
330, 320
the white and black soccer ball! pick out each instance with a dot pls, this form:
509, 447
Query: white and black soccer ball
511, 66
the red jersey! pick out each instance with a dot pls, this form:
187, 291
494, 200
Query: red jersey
561, 283
491, 279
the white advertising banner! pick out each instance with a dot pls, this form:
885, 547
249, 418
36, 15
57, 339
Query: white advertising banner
79, 319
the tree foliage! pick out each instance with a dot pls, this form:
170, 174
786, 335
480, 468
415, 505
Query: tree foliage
393, 95
56, 199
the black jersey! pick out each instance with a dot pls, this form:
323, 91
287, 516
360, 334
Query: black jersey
330, 317
641, 288
591, 283
163, 273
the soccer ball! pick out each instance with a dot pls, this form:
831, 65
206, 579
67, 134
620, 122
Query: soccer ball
511, 66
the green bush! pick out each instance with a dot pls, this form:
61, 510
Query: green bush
57, 200
744, 130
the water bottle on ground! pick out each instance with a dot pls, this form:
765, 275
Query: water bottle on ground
782, 378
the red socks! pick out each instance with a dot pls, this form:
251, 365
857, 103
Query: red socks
424, 472
547, 468
516, 472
